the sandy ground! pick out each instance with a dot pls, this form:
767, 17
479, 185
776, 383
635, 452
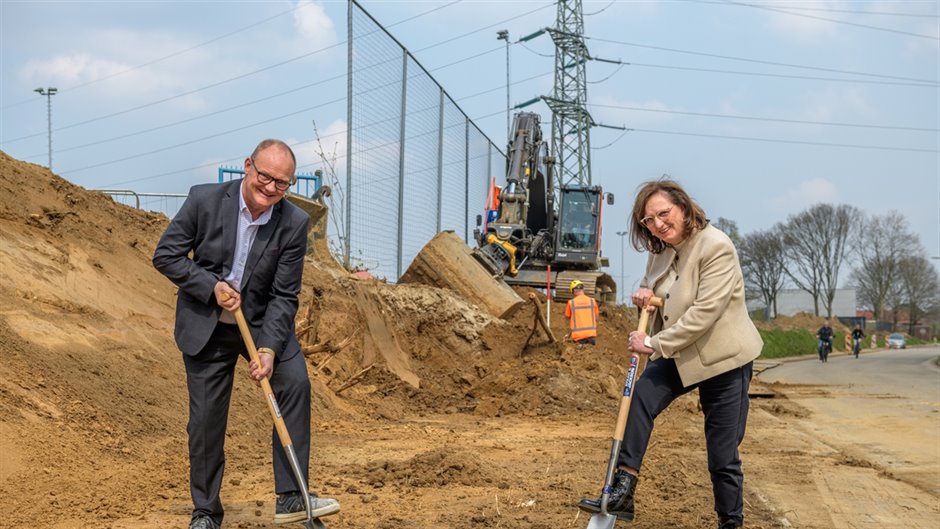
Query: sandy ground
454, 426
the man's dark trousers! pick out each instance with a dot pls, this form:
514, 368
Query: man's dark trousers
209, 376
724, 402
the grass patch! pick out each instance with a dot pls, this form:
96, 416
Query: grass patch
779, 343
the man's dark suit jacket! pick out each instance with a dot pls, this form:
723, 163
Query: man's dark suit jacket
206, 225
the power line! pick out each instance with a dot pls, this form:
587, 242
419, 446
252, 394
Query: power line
296, 144
834, 21
267, 98
501, 22
613, 73
774, 120
269, 67
795, 142
225, 81
197, 118
772, 63
622, 134
165, 57
783, 76
601, 10
196, 140
203, 138
843, 11
478, 118
177, 96
251, 26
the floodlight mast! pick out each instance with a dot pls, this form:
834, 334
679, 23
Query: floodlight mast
504, 35
48, 92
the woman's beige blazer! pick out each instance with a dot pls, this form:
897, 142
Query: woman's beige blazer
704, 324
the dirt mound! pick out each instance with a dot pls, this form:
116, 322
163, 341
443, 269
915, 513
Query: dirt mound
800, 321
413, 389
434, 468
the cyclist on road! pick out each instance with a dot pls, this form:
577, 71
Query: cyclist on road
825, 341
857, 335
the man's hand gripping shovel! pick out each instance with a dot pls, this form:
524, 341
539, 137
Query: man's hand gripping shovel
603, 519
279, 425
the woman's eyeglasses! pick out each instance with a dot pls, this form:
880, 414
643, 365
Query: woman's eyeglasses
663, 216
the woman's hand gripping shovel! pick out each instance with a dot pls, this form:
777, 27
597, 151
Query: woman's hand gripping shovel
603, 519
279, 425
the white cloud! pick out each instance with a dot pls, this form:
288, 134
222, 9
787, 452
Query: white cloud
807, 193
314, 25
806, 26
114, 63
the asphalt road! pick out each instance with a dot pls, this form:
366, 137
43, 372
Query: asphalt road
868, 440
908, 373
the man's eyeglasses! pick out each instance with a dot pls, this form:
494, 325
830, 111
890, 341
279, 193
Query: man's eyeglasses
265, 179
663, 216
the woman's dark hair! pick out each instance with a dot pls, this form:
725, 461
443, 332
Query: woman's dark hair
640, 236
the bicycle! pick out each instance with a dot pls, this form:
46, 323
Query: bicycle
825, 347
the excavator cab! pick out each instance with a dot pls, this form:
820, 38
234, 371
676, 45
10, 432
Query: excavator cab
579, 226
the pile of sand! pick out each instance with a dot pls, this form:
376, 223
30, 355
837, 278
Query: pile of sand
93, 399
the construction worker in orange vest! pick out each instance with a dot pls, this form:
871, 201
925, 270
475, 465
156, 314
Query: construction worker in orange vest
582, 313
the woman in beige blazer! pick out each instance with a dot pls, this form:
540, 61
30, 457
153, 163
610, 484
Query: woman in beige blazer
702, 338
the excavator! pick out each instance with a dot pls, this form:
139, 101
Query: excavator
530, 234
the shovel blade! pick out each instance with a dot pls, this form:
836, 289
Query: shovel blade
602, 521
314, 523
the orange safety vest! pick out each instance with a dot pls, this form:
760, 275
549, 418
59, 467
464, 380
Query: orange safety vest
582, 314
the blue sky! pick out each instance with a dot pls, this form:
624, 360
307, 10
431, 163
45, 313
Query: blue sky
759, 109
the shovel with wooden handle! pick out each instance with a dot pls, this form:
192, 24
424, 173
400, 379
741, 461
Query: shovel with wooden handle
279, 424
603, 519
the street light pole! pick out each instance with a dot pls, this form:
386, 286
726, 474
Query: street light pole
503, 34
48, 92
622, 278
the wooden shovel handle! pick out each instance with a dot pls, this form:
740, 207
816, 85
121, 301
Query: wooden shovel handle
637, 365
269, 397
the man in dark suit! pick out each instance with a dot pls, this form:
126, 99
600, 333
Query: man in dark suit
240, 242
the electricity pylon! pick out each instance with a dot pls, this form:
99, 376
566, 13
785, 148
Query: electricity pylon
571, 121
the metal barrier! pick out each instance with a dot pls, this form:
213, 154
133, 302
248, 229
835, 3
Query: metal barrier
166, 203
305, 184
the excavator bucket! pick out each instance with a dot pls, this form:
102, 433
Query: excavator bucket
317, 246
447, 262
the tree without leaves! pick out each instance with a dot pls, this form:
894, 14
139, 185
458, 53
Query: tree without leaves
763, 264
920, 286
815, 247
880, 246
730, 228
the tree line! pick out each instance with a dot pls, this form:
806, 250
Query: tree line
880, 256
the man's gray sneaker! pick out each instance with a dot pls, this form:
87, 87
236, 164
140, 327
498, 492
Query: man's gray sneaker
203, 522
290, 507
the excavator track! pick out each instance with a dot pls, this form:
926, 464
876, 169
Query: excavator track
599, 285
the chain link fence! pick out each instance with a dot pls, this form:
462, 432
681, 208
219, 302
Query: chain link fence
416, 163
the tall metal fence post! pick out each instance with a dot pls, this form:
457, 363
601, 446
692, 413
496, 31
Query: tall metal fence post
401, 158
349, 126
466, 175
440, 160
